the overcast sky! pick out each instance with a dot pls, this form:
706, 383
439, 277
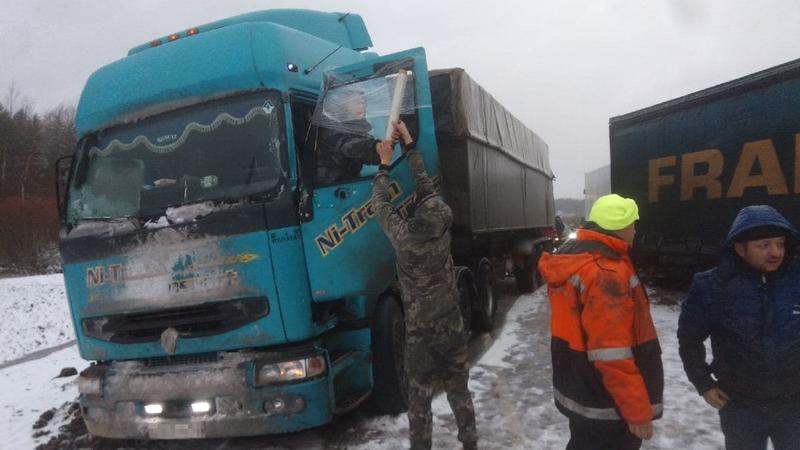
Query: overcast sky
563, 67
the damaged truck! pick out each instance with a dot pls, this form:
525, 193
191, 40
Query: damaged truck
217, 288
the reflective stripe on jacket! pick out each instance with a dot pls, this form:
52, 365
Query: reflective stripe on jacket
606, 355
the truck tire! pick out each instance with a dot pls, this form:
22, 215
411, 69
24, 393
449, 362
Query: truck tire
486, 307
524, 275
466, 295
528, 276
390, 386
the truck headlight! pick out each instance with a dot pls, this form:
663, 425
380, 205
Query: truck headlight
290, 370
572, 235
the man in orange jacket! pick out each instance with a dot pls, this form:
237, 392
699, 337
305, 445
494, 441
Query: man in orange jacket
607, 373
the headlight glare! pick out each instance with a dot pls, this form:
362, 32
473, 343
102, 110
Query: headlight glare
153, 408
201, 407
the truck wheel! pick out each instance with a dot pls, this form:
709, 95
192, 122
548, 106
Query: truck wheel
528, 276
486, 306
390, 386
466, 295
537, 276
524, 275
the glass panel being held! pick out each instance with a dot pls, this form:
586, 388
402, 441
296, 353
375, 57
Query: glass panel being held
353, 114
226, 149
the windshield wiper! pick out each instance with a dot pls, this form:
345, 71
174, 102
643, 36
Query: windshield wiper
103, 226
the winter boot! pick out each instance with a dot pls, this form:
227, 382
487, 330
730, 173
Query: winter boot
470, 446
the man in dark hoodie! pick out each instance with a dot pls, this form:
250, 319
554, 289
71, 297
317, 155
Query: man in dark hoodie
749, 306
436, 338
344, 142
607, 373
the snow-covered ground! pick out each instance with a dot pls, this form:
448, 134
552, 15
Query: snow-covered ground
35, 315
510, 384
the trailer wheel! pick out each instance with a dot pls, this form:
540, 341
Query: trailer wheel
466, 295
523, 274
527, 275
390, 386
486, 306
545, 247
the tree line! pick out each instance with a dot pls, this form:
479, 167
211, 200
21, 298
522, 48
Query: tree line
30, 144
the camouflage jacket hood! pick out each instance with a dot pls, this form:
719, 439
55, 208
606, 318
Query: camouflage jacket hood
431, 219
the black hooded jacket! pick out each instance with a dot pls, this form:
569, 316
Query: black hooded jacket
752, 318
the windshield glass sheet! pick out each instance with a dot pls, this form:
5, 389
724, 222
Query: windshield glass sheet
361, 106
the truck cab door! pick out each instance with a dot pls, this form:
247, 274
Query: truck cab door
346, 249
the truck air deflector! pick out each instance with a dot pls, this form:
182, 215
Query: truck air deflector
345, 29
234, 58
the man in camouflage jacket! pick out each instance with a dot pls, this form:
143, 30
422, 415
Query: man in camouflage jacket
436, 338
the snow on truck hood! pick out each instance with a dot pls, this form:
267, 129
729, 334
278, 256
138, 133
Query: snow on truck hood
166, 268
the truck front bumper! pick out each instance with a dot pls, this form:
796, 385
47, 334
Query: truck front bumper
198, 400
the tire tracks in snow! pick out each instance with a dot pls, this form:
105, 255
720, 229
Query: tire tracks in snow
38, 354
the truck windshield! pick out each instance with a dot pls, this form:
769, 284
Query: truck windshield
225, 149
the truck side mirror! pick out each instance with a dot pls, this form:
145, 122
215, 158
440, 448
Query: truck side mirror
63, 166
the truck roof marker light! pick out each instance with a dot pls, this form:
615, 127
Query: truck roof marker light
174, 37
291, 67
155, 42
192, 31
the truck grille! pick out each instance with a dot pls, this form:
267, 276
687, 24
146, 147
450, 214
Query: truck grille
191, 321
181, 360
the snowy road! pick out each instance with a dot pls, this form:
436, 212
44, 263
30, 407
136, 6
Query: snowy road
510, 383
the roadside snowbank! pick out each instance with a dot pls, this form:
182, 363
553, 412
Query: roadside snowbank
35, 315
29, 390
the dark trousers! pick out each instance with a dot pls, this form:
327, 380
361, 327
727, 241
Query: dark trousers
747, 425
614, 437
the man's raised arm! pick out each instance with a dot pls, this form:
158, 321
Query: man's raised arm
421, 178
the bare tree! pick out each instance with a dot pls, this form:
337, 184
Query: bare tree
12, 94
30, 143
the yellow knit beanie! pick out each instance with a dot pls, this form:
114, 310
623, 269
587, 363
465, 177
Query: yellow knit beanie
613, 213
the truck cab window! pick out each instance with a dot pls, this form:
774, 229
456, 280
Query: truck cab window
351, 118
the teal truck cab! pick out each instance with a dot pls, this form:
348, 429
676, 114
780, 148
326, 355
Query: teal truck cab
216, 290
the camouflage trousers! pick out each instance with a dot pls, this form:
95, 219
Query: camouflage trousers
434, 358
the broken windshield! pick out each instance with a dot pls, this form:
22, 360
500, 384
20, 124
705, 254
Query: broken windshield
225, 149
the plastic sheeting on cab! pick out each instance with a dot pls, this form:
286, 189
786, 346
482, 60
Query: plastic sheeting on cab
497, 174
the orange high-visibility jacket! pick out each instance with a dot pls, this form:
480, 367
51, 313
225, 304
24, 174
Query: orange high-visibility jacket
606, 357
